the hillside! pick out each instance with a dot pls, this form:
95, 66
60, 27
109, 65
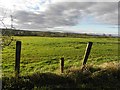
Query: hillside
14, 32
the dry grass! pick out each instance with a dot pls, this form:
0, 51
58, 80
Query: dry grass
110, 65
102, 77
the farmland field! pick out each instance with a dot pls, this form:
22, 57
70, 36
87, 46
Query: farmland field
42, 54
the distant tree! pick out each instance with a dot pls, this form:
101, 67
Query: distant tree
104, 34
110, 35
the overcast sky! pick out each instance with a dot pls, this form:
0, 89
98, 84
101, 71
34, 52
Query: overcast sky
90, 16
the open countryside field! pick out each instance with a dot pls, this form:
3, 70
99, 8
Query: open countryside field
42, 54
40, 64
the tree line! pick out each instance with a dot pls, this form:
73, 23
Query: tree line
14, 32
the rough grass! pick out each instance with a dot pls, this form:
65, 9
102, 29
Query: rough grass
42, 54
39, 65
92, 78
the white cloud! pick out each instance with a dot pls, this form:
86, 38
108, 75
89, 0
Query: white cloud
28, 5
37, 14
57, 1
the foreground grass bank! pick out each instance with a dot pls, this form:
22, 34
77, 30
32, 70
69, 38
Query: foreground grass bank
92, 78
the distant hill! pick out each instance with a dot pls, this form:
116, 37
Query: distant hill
14, 32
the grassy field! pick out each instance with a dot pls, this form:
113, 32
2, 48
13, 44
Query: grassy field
42, 54
40, 59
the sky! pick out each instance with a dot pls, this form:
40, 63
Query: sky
78, 16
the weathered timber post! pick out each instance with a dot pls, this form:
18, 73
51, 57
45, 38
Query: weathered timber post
62, 65
17, 58
87, 52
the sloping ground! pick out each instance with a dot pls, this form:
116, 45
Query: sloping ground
99, 78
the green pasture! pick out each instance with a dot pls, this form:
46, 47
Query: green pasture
42, 54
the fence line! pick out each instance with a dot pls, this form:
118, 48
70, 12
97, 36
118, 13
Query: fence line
87, 52
62, 65
17, 58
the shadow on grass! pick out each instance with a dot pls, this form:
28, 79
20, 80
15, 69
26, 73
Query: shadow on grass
91, 78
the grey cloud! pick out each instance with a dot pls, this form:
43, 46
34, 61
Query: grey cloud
24, 16
104, 7
105, 12
110, 18
67, 14
60, 14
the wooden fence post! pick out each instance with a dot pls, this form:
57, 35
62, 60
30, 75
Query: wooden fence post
62, 65
17, 58
87, 52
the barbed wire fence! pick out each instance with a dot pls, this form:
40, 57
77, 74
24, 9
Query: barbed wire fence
5, 32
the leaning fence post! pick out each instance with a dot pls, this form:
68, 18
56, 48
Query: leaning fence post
87, 52
17, 58
62, 65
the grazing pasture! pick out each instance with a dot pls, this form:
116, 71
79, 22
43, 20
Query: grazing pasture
42, 54
40, 64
